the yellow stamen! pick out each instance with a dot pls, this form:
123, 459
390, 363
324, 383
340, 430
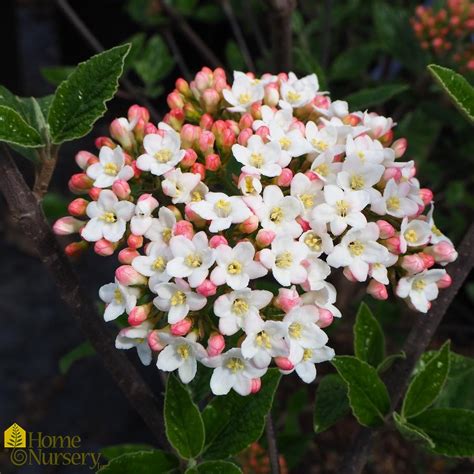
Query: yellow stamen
342, 207
393, 203
196, 196
313, 241
159, 264
193, 260
111, 169
235, 365
256, 160
244, 98
284, 260
293, 96
320, 144
307, 200
223, 207
166, 234
234, 268
361, 155
249, 187
276, 215
307, 354
240, 306
436, 231
285, 143
295, 330
419, 285
357, 182
163, 156
356, 248
322, 169
263, 340
411, 236
109, 217
178, 298
118, 296
183, 351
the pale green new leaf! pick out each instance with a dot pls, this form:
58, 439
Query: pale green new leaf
142, 462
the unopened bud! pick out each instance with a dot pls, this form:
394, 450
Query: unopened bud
426, 195
445, 281
285, 177
264, 237
413, 264
127, 275
284, 363
139, 314
386, 230
189, 159
377, 290
287, 299
75, 249
399, 147
217, 240
80, 183
256, 385
120, 131
68, 225
127, 255
104, 248
104, 141
215, 344
213, 162
325, 318
154, 341
135, 241
249, 225
182, 327
78, 207
207, 288
84, 159
121, 189
184, 228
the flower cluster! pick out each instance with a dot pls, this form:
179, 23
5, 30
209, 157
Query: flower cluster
230, 215
447, 32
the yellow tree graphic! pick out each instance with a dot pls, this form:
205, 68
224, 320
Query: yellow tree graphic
15, 437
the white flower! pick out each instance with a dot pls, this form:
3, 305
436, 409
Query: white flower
365, 149
436, 235
181, 353
414, 233
317, 240
232, 371
162, 152
318, 270
420, 288
153, 264
303, 332
179, 186
377, 124
309, 193
221, 210
285, 260
235, 266
244, 92
306, 369
119, 299
108, 218
136, 336
378, 270
240, 309
357, 249
299, 92
292, 143
110, 168
338, 108
282, 118
143, 218
323, 139
342, 208
161, 229
395, 201
325, 167
250, 184
177, 299
267, 342
323, 298
277, 212
258, 157
192, 258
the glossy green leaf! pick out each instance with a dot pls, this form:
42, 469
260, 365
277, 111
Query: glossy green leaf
411, 432
80, 100
331, 403
369, 340
234, 422
15, 130
112, 452
457, 87
183, 422
80, 352
215, 467
142, 462
374, 96
427, 384
368, 396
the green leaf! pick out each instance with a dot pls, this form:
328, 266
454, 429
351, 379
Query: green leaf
15, 130
137, 43
80, 352
368, 395
234, 422
451, 429
215, 467
112, 452
57, 74
369, 340
410, 431
80, 100
183, 422
389, 360
374, 96
427, 384
353, 62
142, 462
457, 87
331, 402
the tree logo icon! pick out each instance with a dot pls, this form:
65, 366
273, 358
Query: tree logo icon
15, 437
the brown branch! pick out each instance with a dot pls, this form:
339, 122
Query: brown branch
282, 34
398, 377
45, 171
177, 53
272, 445
26, 210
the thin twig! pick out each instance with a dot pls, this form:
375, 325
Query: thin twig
97, 46
177, 54
398, 377
237, 31
26, 210
191, 35
272, 445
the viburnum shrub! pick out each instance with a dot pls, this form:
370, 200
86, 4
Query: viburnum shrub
229, 216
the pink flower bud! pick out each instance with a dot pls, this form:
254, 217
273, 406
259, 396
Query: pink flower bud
215, 344
183, 87
287, 299
199, 168
150, 128
285, 177
386, 230
121, 189
104, 248
83, 157
154, 341
325, 318
139, 314
386, 138
192, 216
67, 225
245, 121
75, 249
207, 288
104, 141
428, 260
206, 122
244, 136
377, 290
184, 228
263, 132
399, 147
322, 102
127, 275
127, 255
120, 131
182, 328
392, 173
210, 99
443, 252
175, 118
393, 244
312, 176
426, 195
217, 240
135, 241
413, 264
189, 159
80, 183
264, 237
284, 363
94, 193
213, 162
78, 207
303, 223
175, 100
206, 141
249, 225
445, 281
189, 135
272, 94
256, 385
191, 113
228, 139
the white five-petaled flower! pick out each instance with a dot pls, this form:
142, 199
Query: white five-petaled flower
236, 266
143, 218
325, 167
359, 248
258, 157
436, 236
284, 259
240, 309
162, 151
118, 298
245, 91
108, 218
179, 186
161, 228
221, 210
292, 143
317, 239
153, 264
192, 258
323, 139
136, 336
282, 118
414, 233
342, 208
420, 288
318, 270
299, 92
110, 167
364, 149
177, 299
180, 353
395, 201
306, 369
232, 371
309, 192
